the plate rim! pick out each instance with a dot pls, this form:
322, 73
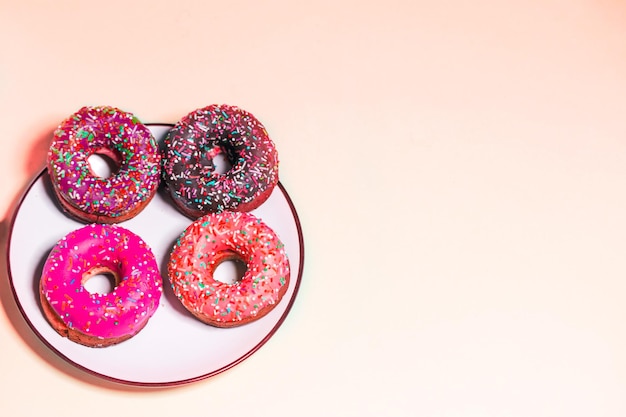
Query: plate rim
146, 384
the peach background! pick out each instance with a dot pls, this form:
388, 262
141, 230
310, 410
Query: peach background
459, 168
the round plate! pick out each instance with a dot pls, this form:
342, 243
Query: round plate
174, 347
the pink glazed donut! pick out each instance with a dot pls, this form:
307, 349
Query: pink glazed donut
215, 238
93, 319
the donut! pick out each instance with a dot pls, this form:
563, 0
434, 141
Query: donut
94, 319
118, 135
189, 170
218, 237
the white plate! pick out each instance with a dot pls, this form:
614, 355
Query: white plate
174, 347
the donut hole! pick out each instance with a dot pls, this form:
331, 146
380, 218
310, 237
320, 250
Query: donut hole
221, 163
104, 163
216, 160
100, 281
230, 271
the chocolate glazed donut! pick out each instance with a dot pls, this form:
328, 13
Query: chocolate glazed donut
189, 170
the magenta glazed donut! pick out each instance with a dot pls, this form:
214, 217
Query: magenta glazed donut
189, 171
99, 320
217, 237
118, 135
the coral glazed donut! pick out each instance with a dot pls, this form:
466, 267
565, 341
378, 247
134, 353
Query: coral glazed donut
189, 170
215, 238
94, 319
118, 135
